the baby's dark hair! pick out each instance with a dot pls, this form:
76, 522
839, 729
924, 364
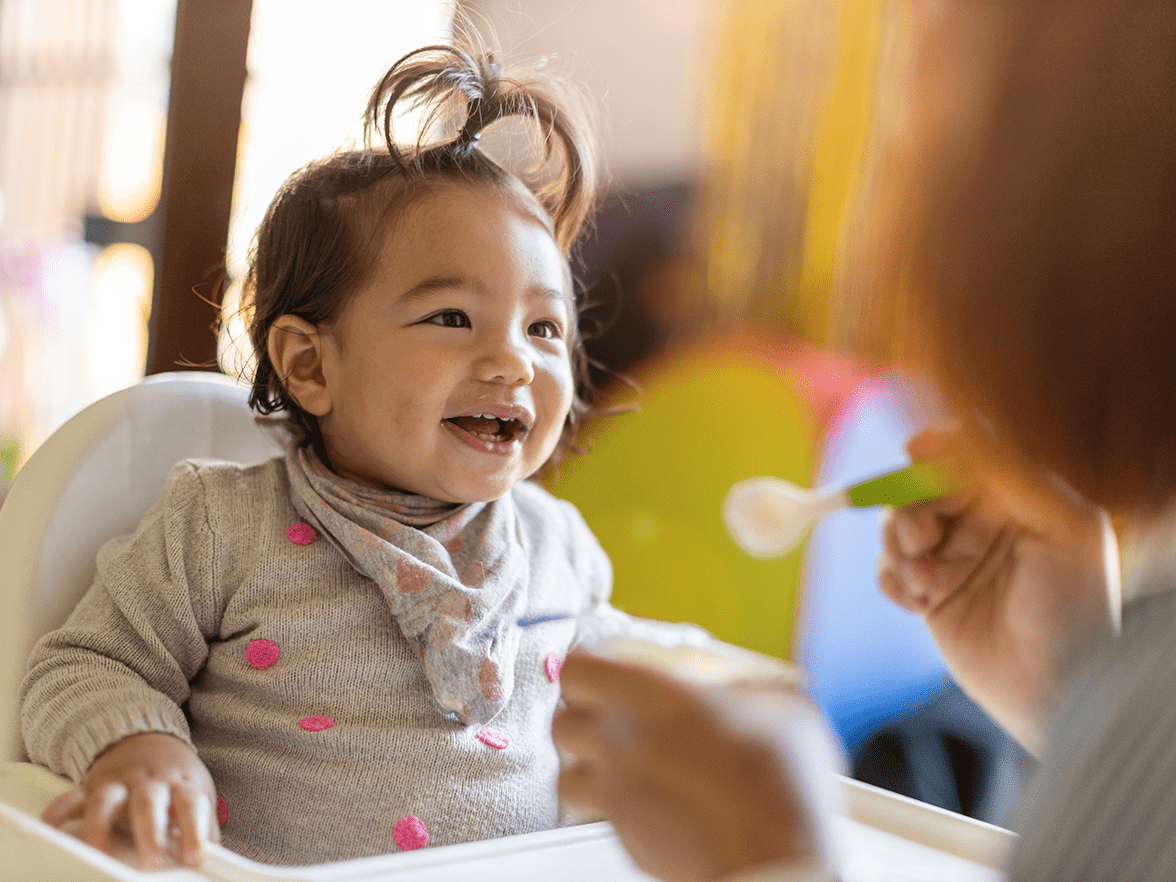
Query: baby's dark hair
320, 239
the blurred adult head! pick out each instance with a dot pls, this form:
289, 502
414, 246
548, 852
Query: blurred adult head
1025, 244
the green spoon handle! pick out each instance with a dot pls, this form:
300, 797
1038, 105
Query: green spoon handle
917, 483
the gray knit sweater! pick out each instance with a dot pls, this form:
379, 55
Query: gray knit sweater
286, 670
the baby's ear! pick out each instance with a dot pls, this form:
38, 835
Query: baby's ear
296, 350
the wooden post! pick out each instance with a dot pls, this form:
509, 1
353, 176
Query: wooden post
199, 163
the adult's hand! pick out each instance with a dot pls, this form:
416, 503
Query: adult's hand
698, 781
152, 783
1008, 597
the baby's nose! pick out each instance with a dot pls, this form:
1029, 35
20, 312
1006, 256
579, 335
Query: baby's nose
506, 360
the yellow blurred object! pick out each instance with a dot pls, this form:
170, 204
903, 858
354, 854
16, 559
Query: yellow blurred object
652, 487
789, 116
839, 159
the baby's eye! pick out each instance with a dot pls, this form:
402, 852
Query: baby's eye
449, 318
546, 329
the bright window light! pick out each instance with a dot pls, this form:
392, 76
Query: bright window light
117, 343
312, 65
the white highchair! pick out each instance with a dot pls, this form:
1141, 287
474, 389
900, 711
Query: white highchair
95, 477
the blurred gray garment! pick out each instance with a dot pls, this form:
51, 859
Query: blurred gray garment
1103, 805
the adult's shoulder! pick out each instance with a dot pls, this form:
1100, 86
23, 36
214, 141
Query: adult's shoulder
1103, 799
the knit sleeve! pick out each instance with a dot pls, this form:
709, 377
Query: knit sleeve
601, 620
122, 662
589, 559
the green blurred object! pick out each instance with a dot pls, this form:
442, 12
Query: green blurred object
653, 484
9, 460
917, 483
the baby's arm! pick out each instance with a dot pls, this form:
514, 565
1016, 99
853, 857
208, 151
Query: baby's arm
103, 700
599, 620
603, 621
149, 782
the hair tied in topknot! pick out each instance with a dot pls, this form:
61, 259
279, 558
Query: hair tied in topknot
478, 104
462, 91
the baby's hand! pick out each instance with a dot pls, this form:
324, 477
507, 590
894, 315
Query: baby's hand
152, 783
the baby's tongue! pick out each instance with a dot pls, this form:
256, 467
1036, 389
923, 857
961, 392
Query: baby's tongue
481, 425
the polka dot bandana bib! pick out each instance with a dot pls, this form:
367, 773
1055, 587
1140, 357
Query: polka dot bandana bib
454, 577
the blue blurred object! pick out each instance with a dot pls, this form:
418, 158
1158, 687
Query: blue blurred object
869, 661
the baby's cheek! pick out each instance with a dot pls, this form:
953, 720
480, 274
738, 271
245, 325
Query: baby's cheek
553, 401
565, 380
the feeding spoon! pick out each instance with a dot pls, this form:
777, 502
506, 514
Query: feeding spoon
767, 516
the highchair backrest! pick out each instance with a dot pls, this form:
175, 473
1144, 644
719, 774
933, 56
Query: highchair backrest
92, 480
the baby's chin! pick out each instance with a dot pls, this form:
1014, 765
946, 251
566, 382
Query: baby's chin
472, 495
454, 490
443, 488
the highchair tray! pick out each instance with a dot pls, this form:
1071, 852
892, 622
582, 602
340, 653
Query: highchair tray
889, 838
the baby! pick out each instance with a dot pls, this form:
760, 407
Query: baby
318, 657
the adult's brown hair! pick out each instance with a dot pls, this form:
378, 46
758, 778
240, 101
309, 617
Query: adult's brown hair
1025, 253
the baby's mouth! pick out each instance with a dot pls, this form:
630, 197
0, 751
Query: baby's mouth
488, 428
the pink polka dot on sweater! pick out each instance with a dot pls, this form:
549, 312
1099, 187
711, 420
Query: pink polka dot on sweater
261, 653
410, 833
552, 665
316, 724
494, 738
222, 811
301, 534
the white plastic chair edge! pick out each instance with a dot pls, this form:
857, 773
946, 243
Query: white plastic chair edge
29, 508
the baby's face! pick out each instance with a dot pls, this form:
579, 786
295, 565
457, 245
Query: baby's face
449, 372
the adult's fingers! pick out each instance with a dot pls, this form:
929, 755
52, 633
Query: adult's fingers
926, 528
578, 788
600, 734
919, 583
933, 441
574, 731
990, 569
909, 587
916, 531
148, 810
594, 680
895, 590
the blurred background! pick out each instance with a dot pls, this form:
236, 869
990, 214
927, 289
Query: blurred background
141, 140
